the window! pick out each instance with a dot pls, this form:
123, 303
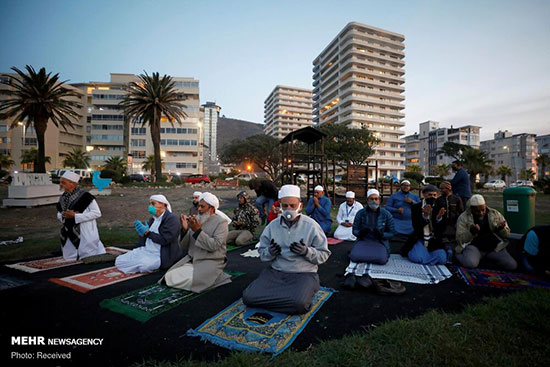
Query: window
138, 153
31, 141
107, 137
108, 96
107, 127
186, 165
138, 142
139, 130
108, 117
3, 128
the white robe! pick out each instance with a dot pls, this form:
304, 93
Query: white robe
346, 212
143, 259
89, 236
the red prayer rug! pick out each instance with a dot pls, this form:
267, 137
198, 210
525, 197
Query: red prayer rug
333, 241
56, 262
499, 279
91, 280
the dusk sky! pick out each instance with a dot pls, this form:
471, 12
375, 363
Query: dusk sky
484, 63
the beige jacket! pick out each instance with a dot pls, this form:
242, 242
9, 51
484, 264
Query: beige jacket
466, 219
207, 253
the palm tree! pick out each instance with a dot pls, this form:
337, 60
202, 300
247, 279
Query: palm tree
149, 165
115, 163
476, 162
543, 160
77, 159
527, 174
5, 161
30, 156
504, 171
150, 99
441, 170
36, 98
413, 168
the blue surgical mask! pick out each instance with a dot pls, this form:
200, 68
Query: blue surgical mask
152, 210
373, 205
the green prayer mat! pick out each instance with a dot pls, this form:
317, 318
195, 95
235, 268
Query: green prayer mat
148, 302
232, 247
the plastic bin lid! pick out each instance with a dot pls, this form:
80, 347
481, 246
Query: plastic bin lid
521, 191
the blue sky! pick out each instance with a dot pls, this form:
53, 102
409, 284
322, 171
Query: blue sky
484, 63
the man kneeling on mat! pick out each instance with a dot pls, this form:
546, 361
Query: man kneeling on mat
295, 245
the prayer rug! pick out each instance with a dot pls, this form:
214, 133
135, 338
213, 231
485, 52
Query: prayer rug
499, 279
7, 282
148, 302
401, 269
230, 248
254, 329
333, 241
91, 280
56, 262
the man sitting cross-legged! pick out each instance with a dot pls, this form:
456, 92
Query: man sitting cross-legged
295, 245
345, 217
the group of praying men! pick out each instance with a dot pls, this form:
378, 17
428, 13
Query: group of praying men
192, 248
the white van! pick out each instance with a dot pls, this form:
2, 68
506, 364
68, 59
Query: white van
83, 173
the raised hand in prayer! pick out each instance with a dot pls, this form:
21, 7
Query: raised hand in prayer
184, 224
501, 225
441, 213
140, 227
474, 228
408, 200
400, 210
68, 214
194, 223
316, 201
274, 249
299, 248
426, 211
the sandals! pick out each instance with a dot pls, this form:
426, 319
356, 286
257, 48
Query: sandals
388, 287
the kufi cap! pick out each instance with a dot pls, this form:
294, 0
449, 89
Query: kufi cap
197, 193
318, 188
405, 182
71, 176
372, 192
476, 200
161, 199
291, 191
350, 194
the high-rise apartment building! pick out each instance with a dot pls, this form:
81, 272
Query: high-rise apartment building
287, 109
543, 144
181, 146
210, 112
412, 150
517, 151
58, 141
358, 81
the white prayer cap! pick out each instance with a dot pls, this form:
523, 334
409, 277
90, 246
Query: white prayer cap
318, 188
210, 199
405, 182
71, 176
372, 192
350, 194
197, 193
161, 199
291, 191
477, 200
279, 195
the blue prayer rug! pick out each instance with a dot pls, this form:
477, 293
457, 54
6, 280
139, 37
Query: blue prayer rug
254, 329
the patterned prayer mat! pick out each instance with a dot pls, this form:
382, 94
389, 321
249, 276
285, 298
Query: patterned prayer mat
333, 241
401, 269
91, 280
8, 281
255, 329
56, 262
148, 302
499, 279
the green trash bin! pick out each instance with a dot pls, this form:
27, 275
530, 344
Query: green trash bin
519, 208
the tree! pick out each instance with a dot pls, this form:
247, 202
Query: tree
441, 170
348, 145
36, 98
262, 150
476, 162
77, 159
504, 171
526, 174
453, 150
543, 160
115, 163
5, 161
30, 156
149, 99
149, 164
415, 168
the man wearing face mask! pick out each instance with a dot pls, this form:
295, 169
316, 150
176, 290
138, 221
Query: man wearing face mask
482, 232
295, 245
195, 204
461, 182
205, 237
422, 246
318, 208
346, 215
158, 240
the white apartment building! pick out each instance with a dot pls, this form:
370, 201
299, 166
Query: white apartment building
358, 81
210, 112
517, 151
412, 149
287, 109
181, 147
57, 141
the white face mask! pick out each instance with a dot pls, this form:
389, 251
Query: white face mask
290, 214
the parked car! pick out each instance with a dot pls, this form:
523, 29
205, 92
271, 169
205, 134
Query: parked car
139, 177
520, 183
243, 176
197, 179
83, 173
495, 184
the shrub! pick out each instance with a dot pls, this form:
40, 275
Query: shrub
125, 180
109, 173
434, 181
3, 173
418, 177
86, 181
479, 185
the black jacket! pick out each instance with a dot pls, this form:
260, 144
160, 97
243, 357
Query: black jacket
267, 189
447, 225
418, 223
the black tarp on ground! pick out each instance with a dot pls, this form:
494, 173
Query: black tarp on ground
50, 310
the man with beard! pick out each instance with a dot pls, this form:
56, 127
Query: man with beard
204, 237
195, 204
399, 205
318, 208
245, 221
78, 210
482, 232
346, 215
461, 182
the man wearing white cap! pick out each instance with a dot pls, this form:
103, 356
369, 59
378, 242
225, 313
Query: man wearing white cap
318, 208
295, 245
157, 241
346, 214
78, 210
195, 204
205, 237
482, 232
399, 205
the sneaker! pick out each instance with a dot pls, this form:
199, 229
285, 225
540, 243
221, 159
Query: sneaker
364, 281
388, 287
350, 281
